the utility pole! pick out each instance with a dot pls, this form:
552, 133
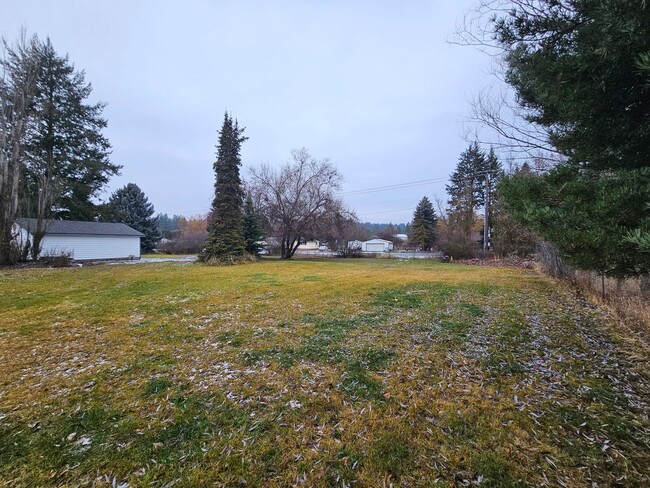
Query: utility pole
486, 227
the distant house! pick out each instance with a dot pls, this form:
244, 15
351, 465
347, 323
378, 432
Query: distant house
312, 245
355, 244
377, 245
401, 237
84, 240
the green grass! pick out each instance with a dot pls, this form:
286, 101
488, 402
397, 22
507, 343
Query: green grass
163, 255
315, 373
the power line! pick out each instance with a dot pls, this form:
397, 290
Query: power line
399, 186
386, 211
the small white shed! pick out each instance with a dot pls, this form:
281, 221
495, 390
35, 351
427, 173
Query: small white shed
377, 245
85, 240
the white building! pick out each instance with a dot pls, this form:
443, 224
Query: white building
355, 244
84, 240
377, 245
312, 245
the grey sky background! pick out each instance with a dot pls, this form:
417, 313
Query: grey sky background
373, 85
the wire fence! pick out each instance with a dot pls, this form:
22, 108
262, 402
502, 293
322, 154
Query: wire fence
630, 298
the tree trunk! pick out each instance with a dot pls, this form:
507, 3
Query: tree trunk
20, 71
289, 246
8, 206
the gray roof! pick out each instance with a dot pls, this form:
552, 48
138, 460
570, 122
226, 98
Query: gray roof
76, 227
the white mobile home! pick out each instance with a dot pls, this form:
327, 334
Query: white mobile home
84, 240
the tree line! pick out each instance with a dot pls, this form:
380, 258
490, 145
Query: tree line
55, 161
580, 72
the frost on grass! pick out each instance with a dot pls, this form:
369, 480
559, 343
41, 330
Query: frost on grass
402, 374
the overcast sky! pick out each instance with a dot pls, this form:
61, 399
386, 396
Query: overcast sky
372, 85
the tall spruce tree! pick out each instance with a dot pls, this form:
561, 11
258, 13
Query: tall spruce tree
129, 205
466, 188
226, 239
423, 227
491, 178
251, 227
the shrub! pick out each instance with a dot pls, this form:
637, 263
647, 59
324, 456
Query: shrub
56, 259
188, 242
458, 245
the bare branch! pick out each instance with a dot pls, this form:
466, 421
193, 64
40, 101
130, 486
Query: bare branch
297, 200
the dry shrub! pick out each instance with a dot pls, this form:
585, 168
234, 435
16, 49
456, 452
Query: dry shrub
56, 259
457, 245
628, 299
188, 242
227, 260
625, 298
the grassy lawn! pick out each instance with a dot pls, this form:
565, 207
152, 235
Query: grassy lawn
339, 373
161, 255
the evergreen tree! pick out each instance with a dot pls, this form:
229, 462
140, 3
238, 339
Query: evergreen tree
59, 157
68, 161
586, 215
226, 239
130, 206
423, 227
251, 227
581, 72
466, 188
168, 226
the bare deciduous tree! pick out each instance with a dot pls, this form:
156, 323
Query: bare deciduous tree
495, 118
18, 73
297, 200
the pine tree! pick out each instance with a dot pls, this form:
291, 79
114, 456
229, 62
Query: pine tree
130, 206
251, 227
423, 227
466, 189
580, 71
226, 239
59, 157
68, 161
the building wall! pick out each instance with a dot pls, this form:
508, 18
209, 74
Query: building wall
92, 247
377, 245
309, 246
